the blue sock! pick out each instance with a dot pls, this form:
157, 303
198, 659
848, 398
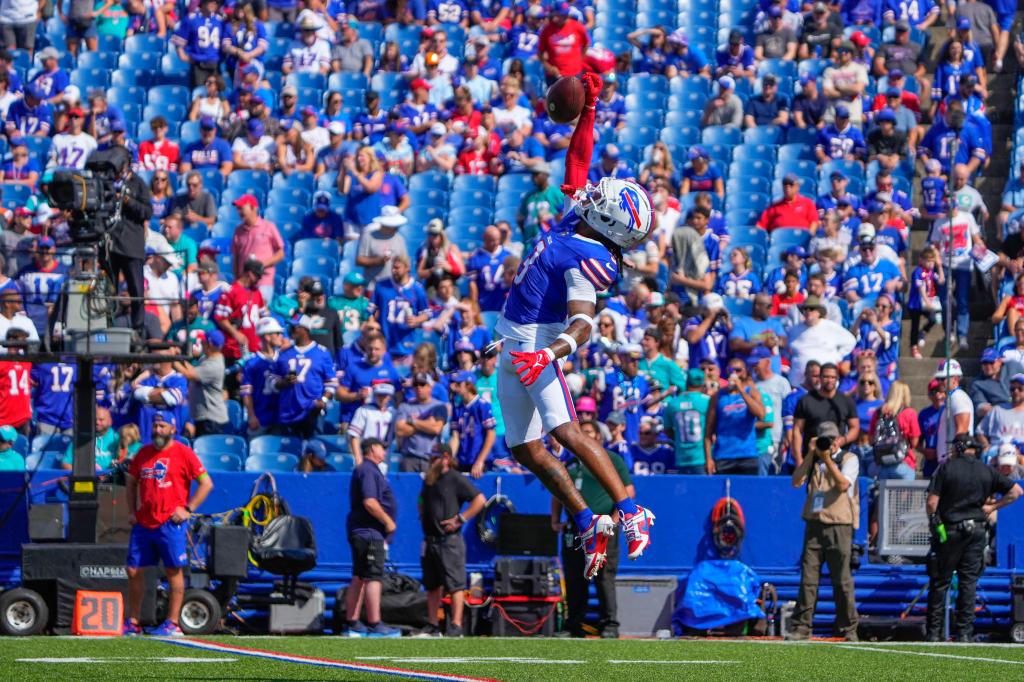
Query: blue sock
583, 519
627, 506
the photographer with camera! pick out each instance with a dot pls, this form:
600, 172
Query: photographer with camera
960, 500
126, 247
832, 513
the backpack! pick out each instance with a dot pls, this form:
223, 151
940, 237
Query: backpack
889, 444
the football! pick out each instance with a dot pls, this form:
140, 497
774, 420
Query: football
565, 99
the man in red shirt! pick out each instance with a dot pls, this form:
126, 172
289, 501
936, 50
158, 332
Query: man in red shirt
562, 44
792, 210
16, 386
237, 312
157, 487
159, 153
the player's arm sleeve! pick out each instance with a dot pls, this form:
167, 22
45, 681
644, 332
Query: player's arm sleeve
581, 149
578, 287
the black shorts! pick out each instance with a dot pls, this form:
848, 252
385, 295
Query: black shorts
367, 558
444, 563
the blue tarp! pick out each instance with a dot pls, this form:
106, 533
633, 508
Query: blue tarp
719, 592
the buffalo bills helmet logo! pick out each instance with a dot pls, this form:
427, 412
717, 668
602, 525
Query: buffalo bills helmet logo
629, 201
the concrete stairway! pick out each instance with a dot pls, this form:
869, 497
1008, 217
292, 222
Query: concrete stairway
999, 106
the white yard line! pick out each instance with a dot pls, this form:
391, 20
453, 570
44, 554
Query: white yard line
674, 663
469, 659
888, 650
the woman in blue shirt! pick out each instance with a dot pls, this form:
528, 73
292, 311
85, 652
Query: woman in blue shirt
361, 182
653, 55
732, 421
877, 331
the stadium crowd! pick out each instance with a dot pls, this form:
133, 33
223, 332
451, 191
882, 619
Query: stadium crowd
343, 192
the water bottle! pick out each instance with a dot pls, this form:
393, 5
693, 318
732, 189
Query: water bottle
940, 530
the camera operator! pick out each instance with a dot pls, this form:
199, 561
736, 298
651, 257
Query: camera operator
832, 513
958, 505
127, 239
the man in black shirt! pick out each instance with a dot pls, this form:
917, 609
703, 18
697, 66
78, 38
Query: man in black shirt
959, 503
886, 144
826, 404
371, 521
443, 559
127, 245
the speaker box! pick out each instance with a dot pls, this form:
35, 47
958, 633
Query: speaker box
526, 577
229, 551
526, 535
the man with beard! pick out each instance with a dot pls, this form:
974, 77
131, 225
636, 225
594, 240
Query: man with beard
158, 482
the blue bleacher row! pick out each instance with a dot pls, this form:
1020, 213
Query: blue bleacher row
224, 452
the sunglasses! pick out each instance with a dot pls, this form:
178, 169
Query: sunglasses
735, 370
867, 382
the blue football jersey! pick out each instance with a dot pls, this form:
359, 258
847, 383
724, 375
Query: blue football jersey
314, 369
256, 383
175, 390
448, 11
396, 304
620, 392
54, 394
867, 281
208, 299
661, 459
200, 36
359, 374
472, 422
561, 261
487, 270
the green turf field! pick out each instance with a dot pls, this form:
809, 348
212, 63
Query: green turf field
531, 660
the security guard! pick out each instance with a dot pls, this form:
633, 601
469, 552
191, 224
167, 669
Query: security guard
576, 587
958, 505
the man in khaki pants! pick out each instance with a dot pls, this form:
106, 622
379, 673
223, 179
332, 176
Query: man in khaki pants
832, 513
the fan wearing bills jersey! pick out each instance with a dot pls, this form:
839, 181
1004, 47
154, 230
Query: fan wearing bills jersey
549, 311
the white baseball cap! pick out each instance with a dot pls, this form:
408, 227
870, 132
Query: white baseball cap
713, 302
268, 325
1007, 455
954, 370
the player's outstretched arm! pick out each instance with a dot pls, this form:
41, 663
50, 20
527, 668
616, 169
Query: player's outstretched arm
581, 145
529, 364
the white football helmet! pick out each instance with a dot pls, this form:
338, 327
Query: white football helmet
620, 210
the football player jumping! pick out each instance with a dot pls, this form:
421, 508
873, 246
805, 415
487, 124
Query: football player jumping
548, 313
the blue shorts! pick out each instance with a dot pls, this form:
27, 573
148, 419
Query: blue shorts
149, 546
1005, 21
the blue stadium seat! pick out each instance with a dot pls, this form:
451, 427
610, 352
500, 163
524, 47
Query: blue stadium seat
763, 135
722, 135
317, 266
691, 84
229, 194
789, 236
189, 133
751, 168
746, 233
341, 462
741, 185
428, 197
220, 462
303, 180
327, 248
429, 180
98, 60
852, 169
747, 200
236, 414
280, 462
286, 196
168, 94
119, 96
89, 79
348, 81
220, 443
646, 100
461, 198
314, 81
808, 187
750, 150
467, 215
483, 183
261, 445
683, 117
143, 61
739, 306
282, 213
334, 443
15, 195
172, 111
654, 118
802, 136
246, 178
144, 42
419, 216
127, 77
644, 82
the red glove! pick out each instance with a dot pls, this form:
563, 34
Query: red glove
530, 364
569, 191
591, 87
